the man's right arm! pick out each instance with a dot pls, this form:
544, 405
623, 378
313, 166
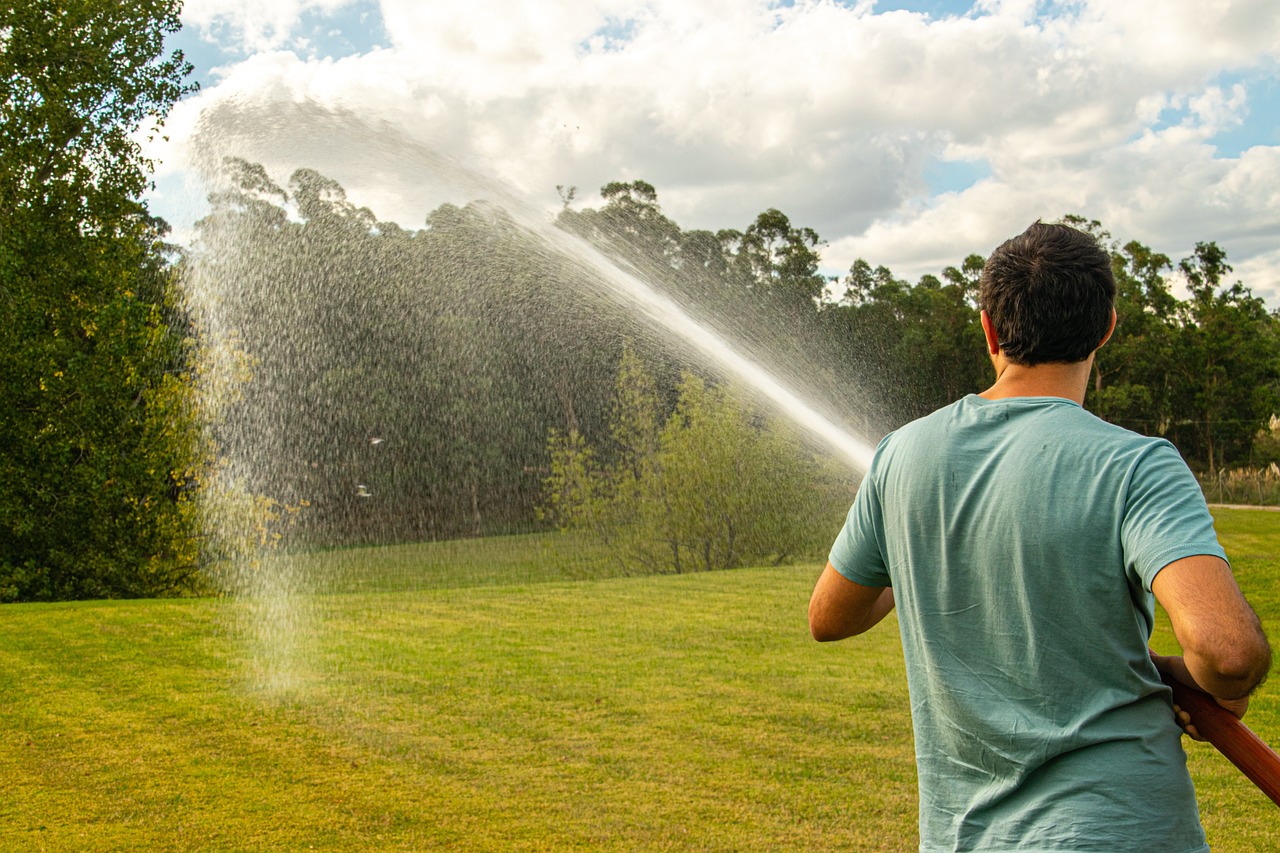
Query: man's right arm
840, 608
1224, 650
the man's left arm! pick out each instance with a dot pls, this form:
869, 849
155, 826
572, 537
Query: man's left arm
841, 608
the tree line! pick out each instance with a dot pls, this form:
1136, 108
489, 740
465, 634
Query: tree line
406, 381
1202, 370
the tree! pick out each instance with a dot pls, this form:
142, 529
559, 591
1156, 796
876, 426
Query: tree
737, 489
966, 277
944, 337
1132, 374
620, 502
778, 263
716, 486
102, 450
631, 227
1228, 364
458, 346
464, 344
916, 347
78, 79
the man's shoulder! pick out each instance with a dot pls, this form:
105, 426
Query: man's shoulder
1034, 416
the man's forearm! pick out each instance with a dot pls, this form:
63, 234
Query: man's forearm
878, 610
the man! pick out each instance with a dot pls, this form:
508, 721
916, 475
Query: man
1021, 540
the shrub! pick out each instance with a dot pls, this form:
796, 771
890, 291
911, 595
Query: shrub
716, 485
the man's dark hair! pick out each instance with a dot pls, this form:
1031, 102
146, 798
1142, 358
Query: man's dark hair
1049, 293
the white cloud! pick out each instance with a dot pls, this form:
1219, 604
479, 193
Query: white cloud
829, 112
1185, 34
1158, 190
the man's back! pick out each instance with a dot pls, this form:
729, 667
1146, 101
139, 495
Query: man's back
1020, 537
1022, 540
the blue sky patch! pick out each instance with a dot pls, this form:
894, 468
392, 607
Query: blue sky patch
935, 9
204, 55
615, 34
953, 176
1260, 119
356, 28
1261, 125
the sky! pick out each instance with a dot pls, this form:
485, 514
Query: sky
910, 134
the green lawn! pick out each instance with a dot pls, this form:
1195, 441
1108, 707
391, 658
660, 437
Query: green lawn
417, 706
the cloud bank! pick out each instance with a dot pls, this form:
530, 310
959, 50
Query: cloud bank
838, 114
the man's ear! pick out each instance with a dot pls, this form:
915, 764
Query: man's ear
993, 339
1110, 329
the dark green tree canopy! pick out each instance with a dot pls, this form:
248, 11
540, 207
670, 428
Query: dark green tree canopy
101, 441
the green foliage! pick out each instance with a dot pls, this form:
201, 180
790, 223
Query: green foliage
1204, 372
716, 486
103, 443
777, 264
918, 346
1228, 361
571, 491
403, 383
78, 79
102, 448
737, 488
468, 344
1266, 444
464, 344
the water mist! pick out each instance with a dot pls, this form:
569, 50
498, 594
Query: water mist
277, 620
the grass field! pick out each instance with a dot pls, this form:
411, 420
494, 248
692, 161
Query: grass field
495, 695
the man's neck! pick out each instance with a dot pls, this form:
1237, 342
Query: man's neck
1068, 381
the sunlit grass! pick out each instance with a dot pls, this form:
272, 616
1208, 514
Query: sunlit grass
494, 561
674, 712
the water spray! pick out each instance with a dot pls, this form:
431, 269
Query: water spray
664, 312
256, 131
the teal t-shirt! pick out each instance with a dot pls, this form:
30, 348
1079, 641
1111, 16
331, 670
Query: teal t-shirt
1020, 537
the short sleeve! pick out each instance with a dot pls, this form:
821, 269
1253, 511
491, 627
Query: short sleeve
1166, 517
857, 553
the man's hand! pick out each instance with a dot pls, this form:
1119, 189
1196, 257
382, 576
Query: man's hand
1176, 667
1235, 706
